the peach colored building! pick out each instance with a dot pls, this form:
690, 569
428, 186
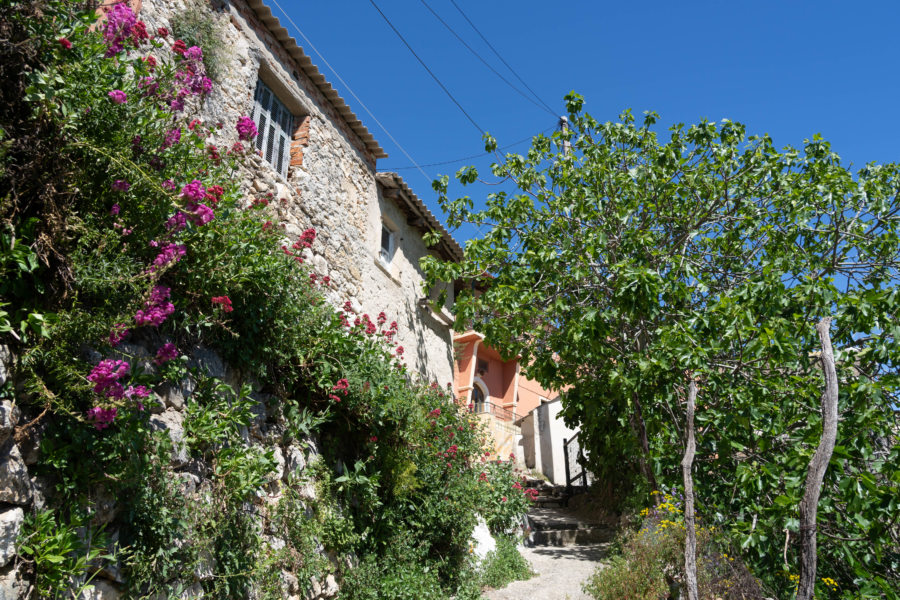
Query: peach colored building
496, 390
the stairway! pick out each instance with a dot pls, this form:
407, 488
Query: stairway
559, 526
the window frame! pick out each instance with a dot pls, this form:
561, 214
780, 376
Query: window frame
386, 255
274, 122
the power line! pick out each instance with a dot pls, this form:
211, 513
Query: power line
422, 62
450, 162
479, 57
352, 93
513, 71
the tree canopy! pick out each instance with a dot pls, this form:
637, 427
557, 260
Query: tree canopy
622, 262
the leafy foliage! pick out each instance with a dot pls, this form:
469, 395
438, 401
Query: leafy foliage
624, 263
142, 242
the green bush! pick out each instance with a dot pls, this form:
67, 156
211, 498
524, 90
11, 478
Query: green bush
650, 562
402, 475
505, 564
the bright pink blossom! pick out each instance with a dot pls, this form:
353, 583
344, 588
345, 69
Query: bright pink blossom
101, 417
246, 129
106, 374
118, 333
166, 353
224, 302
119, 23
157, 309
173, 136
65, 43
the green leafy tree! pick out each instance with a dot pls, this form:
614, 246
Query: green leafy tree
622, 261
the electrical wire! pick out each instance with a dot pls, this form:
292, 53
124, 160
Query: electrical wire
486, 63
513, 71
352, 93
430, 72
474, 156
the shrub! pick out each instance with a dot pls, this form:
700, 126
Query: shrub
650, 564
505, 564
154, 249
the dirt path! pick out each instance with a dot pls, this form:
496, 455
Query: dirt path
560, 572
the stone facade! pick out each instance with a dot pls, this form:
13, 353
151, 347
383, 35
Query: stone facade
331, 183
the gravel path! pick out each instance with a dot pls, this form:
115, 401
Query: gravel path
560, 572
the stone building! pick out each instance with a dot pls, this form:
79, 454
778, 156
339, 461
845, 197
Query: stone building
316, 167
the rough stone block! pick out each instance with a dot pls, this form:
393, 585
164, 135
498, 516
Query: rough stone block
101, 590
10, 526
9, 418
12, 586
172, 421
15, 485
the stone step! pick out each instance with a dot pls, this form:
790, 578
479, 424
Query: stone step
556, 526
570, 537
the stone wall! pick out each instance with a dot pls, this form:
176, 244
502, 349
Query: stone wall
330, 185
22, 492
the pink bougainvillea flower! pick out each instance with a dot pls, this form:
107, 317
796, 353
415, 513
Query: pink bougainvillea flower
65, 43
166, 353
107, 373
118, 333
246, 129
156, 309
193, 192
170, 253
101, 417
173, 136
201, 214
176, 222
118, 96
119, 23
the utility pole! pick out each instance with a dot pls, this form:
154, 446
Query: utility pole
564, 128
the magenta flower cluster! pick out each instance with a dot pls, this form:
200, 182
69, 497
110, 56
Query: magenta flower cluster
120, 185
119, 24
157, 309
170, 253
101, 417
105, 377
246, 129
173, 136
176, 222
118, 333
193, 192
118, 96
166, 353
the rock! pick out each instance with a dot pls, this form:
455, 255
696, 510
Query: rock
105, 507
331, 587
41, 487
206, 566
189, 483
9, 418
277, 473
12, 585
208, 361
172, 396
172, 421
290, 583
156, 404
294, 464
10, 526
5, 363
101, 590
30, 443
282, 191
259, 185
315, 588
482, 541
15, 485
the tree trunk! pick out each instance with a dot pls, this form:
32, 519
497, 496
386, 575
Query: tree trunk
687, 464
817, 467
640, 428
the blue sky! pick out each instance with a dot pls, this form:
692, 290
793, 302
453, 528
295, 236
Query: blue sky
790, 69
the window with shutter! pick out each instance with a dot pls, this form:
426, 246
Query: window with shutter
274, 122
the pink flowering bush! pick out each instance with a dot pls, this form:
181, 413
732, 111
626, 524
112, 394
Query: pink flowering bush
159, 257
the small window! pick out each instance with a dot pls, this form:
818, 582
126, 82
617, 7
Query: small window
386, 253
273, 121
